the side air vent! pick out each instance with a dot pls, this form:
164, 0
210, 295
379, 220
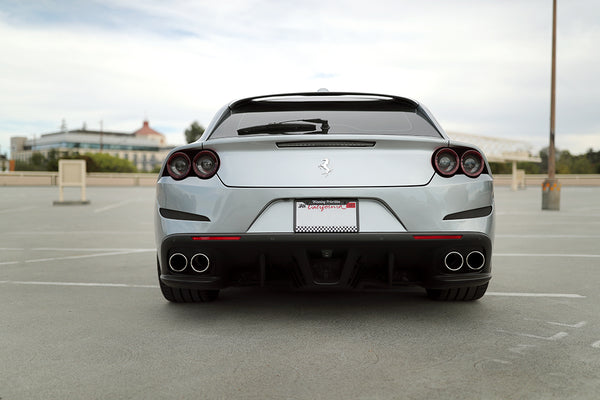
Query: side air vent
173, 214
326, 143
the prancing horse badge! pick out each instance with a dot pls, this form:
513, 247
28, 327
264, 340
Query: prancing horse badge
325, 167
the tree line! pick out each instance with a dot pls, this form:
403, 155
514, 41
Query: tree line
95, 162
566, 163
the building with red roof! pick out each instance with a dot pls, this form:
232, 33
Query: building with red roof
146, 148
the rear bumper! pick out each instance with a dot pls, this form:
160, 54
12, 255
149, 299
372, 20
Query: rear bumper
361, 260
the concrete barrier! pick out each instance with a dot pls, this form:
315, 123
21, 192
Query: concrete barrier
537, 180
27, 178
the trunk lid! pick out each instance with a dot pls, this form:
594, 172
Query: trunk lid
343, 161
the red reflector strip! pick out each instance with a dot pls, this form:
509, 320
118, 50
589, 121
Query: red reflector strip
216, 238
436, 237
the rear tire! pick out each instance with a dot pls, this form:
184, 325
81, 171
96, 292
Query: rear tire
468, 293
176, 295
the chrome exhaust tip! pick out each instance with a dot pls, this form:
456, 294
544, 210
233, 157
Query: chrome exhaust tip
200, 263
475, 260
453, 261
178, 262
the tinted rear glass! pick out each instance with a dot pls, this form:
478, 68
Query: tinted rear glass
405, 123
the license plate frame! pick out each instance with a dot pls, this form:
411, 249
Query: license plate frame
326, 216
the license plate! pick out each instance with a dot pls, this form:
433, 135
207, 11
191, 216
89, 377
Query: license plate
326, 216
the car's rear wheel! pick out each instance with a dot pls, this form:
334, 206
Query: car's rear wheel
468, 293
176, 295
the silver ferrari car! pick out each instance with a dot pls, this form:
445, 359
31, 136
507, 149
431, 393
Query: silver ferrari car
324, 190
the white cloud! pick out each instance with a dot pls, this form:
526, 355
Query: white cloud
481, 67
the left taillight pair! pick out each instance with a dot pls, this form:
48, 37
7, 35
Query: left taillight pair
447, 162
205, 164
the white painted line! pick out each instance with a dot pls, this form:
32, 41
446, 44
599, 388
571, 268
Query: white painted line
550, 236
550, 295
111, 206
11, 249
556, 223
546, 255
124, 285
115, 253
106, 252
577, 325
14, 210
591, 213
558, 336
521, 349
89, 249
580, 324
64, 233
500, 361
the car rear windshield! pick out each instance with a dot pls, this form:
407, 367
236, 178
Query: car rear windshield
406, 123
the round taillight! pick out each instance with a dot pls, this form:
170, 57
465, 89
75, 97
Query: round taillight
179, 165
446, 161
471, 163
206, 164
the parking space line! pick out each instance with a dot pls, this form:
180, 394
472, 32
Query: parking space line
89, 249
103, 254
556, 295
548, 236
85, 284
114, 253
555, 337
546, 255
114, 205
73, 232
19, 209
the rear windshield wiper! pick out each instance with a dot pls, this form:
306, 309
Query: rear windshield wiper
292, 126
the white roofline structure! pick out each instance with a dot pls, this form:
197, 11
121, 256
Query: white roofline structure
502, 150
498, 149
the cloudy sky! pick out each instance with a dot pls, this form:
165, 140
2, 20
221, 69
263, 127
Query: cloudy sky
482, 67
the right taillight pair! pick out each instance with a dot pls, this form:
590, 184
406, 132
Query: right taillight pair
447, 162
205, 164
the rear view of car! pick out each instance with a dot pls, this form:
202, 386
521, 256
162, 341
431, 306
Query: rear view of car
324, 191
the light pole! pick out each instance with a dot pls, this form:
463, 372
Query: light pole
551, 186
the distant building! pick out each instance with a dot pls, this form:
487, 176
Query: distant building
145, 148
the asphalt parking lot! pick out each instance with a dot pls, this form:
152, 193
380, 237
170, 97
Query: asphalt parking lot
83, 318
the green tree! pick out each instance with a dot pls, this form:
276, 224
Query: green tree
102, 162
594, 159
95, 162
500, 168
564, 162
581, 165
52, 160
194, 132
37, 162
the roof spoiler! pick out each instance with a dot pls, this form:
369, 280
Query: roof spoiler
337, 100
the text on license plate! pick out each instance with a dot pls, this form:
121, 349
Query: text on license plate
326, 216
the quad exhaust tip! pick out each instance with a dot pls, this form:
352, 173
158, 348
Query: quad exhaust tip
475, 260
178, 262
453, 261
200, 263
